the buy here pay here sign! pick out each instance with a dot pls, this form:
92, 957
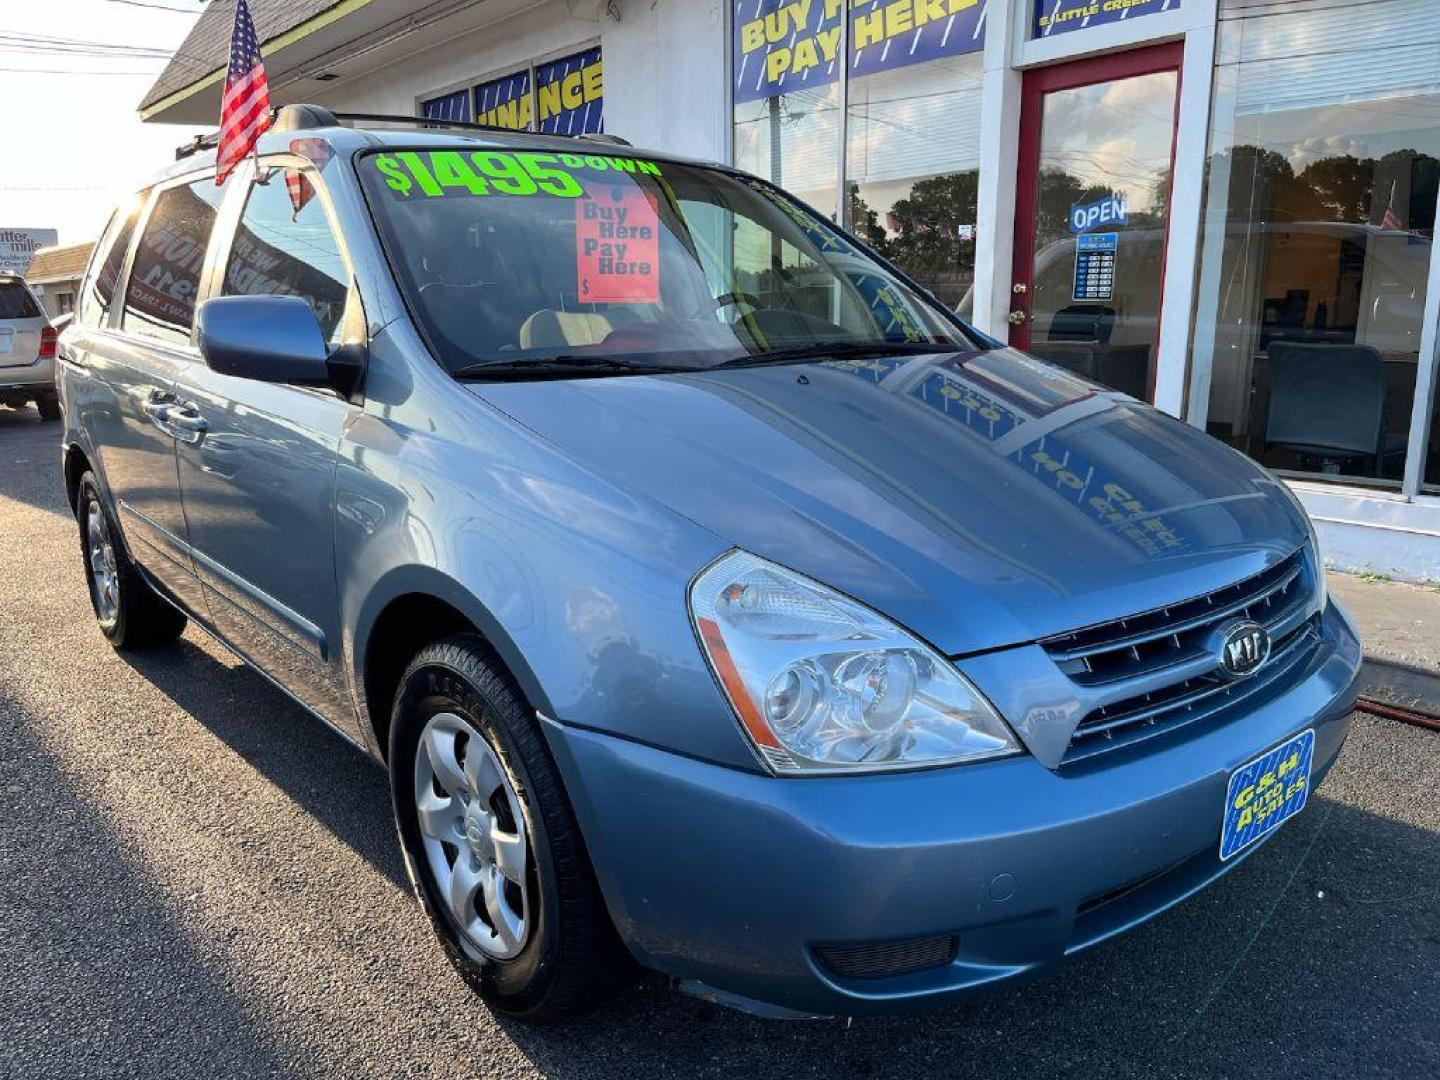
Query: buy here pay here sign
617, 245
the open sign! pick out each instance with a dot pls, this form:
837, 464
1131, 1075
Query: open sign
1107, 211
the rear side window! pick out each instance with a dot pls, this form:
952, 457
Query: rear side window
285, 247
16, 301
165, 275
105, 268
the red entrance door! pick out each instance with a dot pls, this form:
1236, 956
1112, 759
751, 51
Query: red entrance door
1092, 205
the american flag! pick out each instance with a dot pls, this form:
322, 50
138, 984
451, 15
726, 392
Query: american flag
245, 106
1390, 220
296, 182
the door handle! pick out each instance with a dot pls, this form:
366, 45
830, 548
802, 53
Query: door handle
184, 422
156, 405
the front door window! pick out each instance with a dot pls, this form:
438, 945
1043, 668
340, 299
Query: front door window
1092, 208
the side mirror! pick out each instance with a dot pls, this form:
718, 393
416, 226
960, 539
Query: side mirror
267, 338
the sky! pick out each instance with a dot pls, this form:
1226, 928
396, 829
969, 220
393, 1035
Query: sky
72, 144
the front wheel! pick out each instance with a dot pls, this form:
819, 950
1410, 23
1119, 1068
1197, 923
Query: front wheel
490, 839
131, 614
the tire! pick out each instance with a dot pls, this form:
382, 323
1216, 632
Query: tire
48, 406
456, 692
131, 614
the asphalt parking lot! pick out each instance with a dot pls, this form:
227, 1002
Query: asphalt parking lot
198, 880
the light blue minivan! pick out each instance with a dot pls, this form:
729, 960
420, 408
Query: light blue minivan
716, 599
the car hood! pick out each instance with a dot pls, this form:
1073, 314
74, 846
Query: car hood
980, 499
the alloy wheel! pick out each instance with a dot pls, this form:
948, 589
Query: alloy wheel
104, 573
475, 837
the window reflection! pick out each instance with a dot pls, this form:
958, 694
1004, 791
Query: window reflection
913, 168
793, 139
282, 250
165, 274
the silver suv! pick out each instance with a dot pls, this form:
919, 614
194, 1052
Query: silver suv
27, 350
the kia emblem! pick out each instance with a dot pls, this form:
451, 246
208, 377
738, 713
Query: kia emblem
1242, 648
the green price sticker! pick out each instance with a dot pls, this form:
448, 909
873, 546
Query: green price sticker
430, 174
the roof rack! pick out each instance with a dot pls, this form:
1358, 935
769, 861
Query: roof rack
195, 145
309, 117
464, 125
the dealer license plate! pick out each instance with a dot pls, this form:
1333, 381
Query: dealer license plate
1265, 792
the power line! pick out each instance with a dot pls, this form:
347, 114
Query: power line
41, 43
38, 43
30, 50
74, 71
157, 7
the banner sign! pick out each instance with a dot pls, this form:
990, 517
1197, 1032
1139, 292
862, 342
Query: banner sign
617, 246
454, 106
1062, 16
1110, 210
505, 102
444, 173
572, 94
787, 45
18, 247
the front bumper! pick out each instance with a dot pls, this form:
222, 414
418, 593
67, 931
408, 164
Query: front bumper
732, 879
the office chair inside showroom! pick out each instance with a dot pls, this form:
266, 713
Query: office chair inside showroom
1327, 401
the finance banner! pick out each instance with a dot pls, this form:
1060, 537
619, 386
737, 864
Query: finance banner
781, 46
572, 94
569, 97
506, 101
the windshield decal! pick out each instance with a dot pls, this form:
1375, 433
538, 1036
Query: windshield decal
617, 246
482, 173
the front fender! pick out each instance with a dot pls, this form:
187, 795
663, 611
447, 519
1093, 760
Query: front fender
579, 585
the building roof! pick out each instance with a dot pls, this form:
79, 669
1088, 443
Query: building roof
207, 48
59, 263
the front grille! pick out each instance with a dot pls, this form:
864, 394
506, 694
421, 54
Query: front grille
883, 960
1154, 671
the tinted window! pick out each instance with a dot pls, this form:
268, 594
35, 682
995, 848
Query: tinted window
16, 301
165, 277
99, 290
280, 250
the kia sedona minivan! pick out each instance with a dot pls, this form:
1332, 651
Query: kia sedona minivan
717, 600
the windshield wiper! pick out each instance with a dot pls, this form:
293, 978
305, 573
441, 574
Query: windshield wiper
562, 366
841, 350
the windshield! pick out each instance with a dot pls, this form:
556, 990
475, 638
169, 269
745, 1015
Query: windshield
515, 258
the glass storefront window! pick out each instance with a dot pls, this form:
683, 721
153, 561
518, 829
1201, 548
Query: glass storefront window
907, 95
1322, 178
793, 139
913, 169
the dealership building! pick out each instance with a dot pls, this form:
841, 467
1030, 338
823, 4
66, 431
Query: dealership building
1225, 207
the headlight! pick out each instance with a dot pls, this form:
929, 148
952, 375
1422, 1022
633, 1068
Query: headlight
822, 684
